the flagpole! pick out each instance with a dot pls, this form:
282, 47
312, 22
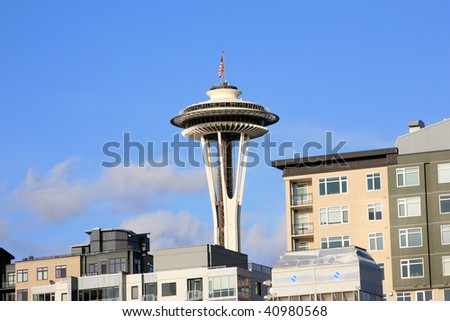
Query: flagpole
224, 80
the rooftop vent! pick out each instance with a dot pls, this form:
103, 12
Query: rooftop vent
415, 125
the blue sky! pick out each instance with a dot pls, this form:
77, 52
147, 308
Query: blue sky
77, 74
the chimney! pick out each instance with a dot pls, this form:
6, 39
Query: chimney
415, 125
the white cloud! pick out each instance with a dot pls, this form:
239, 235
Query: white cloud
57, 195
265, 245
170, 230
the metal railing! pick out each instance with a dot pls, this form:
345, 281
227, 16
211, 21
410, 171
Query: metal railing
303, 229
301, 199
194, 295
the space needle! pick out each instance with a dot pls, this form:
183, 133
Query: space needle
225, 124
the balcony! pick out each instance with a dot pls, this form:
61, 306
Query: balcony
305, 229
195, 295
149, 297
8, 285
301, 200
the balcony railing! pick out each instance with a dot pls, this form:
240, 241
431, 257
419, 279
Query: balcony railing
303, 229
8, 285
195, 295
149, 297
302, 199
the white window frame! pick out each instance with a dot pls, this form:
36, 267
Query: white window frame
407, 232
325, 215
340, 179
403, 296
344, 239
407, 170
446, 196
406, 202
446, 229
424, 293
446, 261
407, 263
443, 167
372, 177
374, 207
376, 236
42, 273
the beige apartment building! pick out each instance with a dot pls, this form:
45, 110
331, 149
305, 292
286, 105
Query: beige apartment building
46, 279
340, 200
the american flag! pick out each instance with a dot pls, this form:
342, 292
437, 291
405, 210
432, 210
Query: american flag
221, 68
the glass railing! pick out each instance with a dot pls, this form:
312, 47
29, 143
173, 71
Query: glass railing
302, 229
301, 199
195, 295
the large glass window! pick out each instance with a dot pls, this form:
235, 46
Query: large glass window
445, 234
374, 211
150, 291
443, 173
22, 295
42, 273
61, 271
403, 296
410, 237
22, 276
222, 286
446, 265
134, 292
333, 185
373, 181
169, 289
11, 279
334, 215
334, 241
407, 176
444, 204
117, 265
408, 207
424, 295
376, 241
411, 268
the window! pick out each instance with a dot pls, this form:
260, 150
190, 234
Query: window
301, 246
410, 237
445, 234
333, 185
403, 296
169, 289
334, 241
222, 286
424, 295
300, 194
374, 211
150, 291
64, 297
22, 295
408, 207
411, 268
11, 279
61, 272
258, 288
381, 265
244, 287
444, 202
334, 215
117, 265
42, 273
103, 267
22, 276
376, 241
446, 295
134, 292
44, 296
373, 181
407, 176
446, 265
93, 269
443, 173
